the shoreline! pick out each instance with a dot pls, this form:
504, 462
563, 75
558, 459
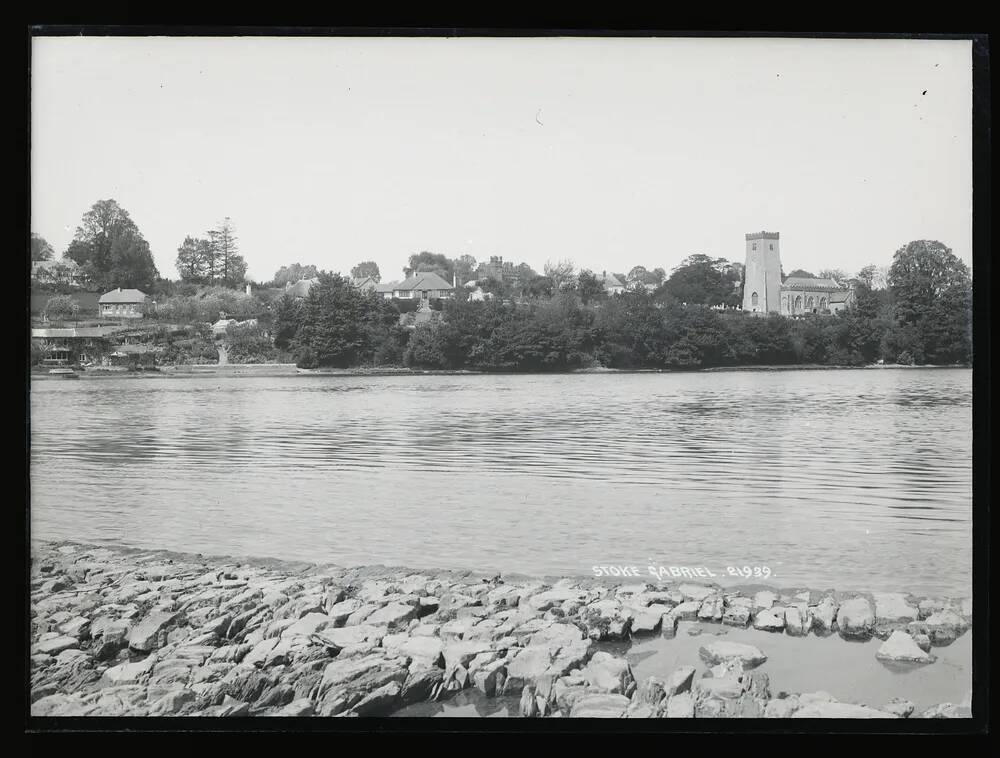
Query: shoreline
290, 369
134, 632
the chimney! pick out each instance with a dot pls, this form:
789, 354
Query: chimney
248, 288
454, 279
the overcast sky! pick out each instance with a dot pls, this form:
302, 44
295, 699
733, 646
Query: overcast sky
610, 152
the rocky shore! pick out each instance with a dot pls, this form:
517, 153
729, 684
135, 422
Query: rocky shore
117, 632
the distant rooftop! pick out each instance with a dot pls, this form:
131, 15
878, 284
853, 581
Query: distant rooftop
810, 283
123, 296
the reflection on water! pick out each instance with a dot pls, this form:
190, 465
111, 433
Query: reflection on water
847, 479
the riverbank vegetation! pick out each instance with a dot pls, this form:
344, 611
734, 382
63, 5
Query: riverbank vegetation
922, 316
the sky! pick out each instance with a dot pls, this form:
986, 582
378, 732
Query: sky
609, 152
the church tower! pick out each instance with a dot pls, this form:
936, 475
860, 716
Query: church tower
762, 274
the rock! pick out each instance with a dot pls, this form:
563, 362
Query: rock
947, 711
350, 636
899, 707
722, 651
668, 625
797, 620
686, 611
420, 683
763, 600
300, 707
834, 710
923, 642
856, 619
340, 612
528, 707
489, 679
943, 627
679, 681
392, 615
695, 592
599, 706
607, 673
78, 627
647, 622
419, 649
230, 653
146, 635
892, 611
380, 701
555, 634
900, 647
781, 708
711, 609
556, 596
55, 645
770, 620
651, 692
737, 612
527, 665
171, 703
131, 673
680, 706
308, 624
823, 616
461, 653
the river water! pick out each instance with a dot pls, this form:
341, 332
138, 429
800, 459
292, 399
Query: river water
844, 479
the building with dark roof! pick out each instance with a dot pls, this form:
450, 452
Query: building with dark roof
422, 285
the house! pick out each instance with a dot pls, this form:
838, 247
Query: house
422, 285
301, 288
123, 303
384, 290
64, 271
612, 284
88, 344
220, 327
365, 284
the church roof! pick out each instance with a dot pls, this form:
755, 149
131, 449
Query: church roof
839, 297
809, 283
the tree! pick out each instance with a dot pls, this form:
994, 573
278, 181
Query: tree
335, 317
363, 269
561, 273
931, 290
464, 267
438, 263
111, 249
41, 250
836, 274
800, 272
874, 277
229, 267
293, 273
196, 261
588, 286
703, 280
62, 308
287, 320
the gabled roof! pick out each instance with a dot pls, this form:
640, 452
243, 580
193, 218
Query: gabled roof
809, 283
300, 288
123, 296
361, 281
385, 286
421, 281
610, 280
840, 297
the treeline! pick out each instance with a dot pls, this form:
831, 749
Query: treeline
922, 317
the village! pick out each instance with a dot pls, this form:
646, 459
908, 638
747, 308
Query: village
128, 329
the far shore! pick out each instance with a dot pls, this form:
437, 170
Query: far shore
290, 369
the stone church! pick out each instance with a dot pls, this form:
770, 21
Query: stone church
764, 292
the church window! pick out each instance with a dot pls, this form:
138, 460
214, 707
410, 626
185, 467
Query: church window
754, 246
809, 302
753, 300
771, 246
822, 303
798, 303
